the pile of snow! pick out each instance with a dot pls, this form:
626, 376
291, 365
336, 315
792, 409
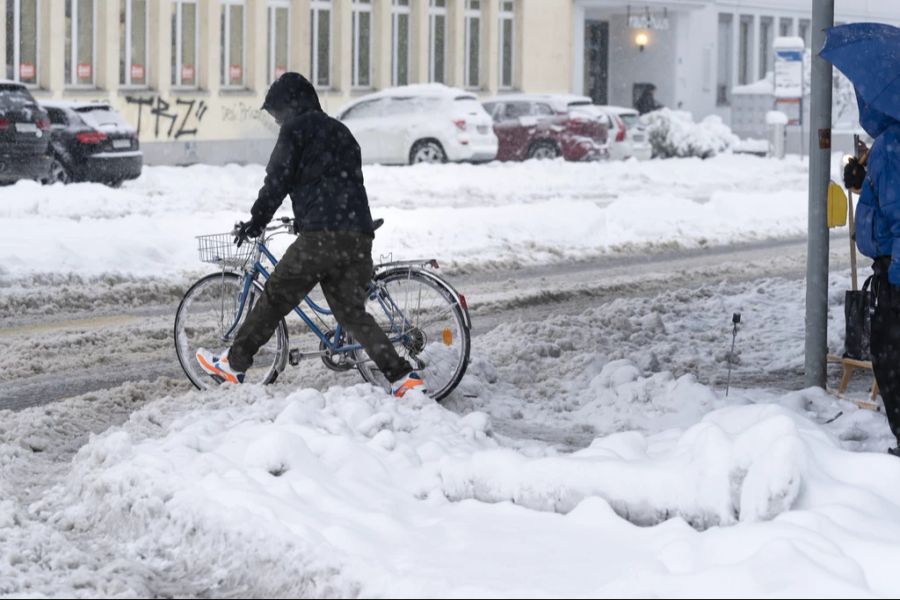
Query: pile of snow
469, 217
351, 492
673, 133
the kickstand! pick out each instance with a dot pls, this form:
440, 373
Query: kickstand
834, 418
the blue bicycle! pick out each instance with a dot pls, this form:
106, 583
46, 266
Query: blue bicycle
422, 315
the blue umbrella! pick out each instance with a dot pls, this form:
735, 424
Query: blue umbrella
869, 55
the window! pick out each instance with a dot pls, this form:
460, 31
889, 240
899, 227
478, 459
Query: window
543, 110
133, 39
79, 67
744, 55
473, 43
803, 31
724, 77
437, 41
320, 48
279, 38
22, 18
185, 48
57, 117
400, 42
507, 43
785, 26
231, 49
516, 110
362, 43
365, 110
766, 39
14, 97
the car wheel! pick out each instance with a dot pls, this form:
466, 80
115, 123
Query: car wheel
58, 172
543, 151
427, 151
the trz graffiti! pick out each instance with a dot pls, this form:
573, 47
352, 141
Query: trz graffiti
182, 118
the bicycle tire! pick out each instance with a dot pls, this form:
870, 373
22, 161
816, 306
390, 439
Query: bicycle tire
453, 334
268, 363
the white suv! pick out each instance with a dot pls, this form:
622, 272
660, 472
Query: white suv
630, 137
421, 123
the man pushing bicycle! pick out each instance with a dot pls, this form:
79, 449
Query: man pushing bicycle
317, 161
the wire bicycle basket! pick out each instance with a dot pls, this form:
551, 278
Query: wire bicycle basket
220, 249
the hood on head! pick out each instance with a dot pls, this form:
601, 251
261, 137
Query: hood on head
291, 94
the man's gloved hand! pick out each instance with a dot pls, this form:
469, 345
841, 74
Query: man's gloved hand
247, 230
854, 175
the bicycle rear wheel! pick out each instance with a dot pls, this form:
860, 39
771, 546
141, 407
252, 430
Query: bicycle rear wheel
429, 323
205, 319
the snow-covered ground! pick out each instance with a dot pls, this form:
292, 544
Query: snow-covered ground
673, 488
468, 216
585, 454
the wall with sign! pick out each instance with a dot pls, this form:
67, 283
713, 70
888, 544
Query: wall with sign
213, 115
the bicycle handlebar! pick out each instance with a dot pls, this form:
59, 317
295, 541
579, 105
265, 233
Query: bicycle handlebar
285, 223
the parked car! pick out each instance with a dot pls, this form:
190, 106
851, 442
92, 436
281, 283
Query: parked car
90, 141
420, 123
24, 134
630, 138
547, 126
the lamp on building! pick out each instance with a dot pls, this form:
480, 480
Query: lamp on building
641, 39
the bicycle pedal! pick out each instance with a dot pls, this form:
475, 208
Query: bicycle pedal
294, 357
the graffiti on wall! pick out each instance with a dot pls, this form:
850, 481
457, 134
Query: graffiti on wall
241, 112
171, 120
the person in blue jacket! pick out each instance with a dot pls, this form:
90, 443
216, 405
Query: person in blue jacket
876, 177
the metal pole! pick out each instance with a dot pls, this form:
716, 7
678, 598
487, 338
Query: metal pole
819, 175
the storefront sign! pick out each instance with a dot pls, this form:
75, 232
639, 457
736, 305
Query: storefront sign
26, 71
648, 22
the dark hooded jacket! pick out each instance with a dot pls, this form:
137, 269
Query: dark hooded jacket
878, 212
316, 160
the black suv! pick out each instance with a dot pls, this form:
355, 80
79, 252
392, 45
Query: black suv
90, 141
24, 135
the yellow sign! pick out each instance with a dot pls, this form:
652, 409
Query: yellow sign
838, 206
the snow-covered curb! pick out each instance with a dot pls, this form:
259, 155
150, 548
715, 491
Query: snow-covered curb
465, 215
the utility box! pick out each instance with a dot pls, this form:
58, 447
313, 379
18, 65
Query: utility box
776, 122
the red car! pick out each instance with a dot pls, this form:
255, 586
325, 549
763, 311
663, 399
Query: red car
547, 126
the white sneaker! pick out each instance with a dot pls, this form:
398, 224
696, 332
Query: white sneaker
218, 367
412, 381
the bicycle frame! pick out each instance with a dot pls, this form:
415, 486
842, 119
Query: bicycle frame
387, 304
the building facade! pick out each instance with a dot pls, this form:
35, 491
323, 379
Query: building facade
695, 51
192, 74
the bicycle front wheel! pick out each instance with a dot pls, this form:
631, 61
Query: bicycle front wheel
210, 315
428, 325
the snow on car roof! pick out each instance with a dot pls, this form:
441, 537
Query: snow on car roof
559, 102
76, 105
419, 90
619, 110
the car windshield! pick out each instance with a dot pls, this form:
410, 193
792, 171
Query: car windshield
468, 104
102, 117
630, 120
14, 97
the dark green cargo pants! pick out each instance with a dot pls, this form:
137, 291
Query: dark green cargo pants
342, 263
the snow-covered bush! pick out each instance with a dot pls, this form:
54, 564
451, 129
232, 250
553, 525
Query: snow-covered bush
673, 133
